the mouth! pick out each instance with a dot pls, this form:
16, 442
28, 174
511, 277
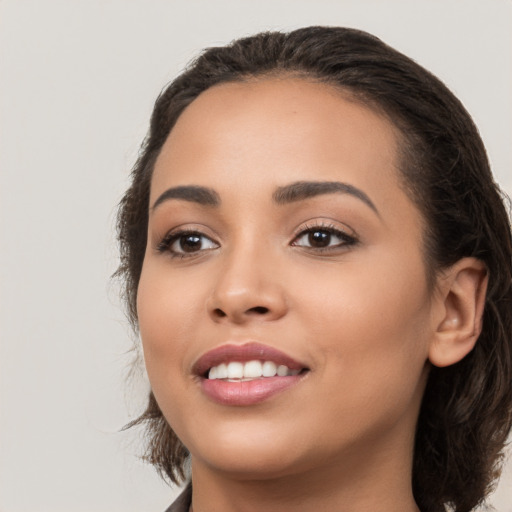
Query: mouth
237, 371
246, 374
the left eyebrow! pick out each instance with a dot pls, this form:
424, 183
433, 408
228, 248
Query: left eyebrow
301, 190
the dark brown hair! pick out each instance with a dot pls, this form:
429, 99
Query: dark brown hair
466, 411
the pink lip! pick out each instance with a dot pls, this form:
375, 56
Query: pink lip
245, 392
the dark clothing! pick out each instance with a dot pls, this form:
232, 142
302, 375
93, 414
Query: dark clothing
182, 503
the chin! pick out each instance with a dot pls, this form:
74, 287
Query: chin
249, 454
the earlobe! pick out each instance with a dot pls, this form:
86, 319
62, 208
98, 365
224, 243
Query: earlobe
462, 291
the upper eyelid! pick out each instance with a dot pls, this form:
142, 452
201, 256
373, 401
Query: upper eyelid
185, 228
327, 225
345, 238
328, 229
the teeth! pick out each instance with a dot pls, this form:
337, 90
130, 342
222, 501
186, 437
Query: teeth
269, 369
253, 369
235, 370
282, 370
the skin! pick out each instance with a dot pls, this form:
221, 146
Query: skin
360, 315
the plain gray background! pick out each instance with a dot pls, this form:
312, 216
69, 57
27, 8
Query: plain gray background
77, 84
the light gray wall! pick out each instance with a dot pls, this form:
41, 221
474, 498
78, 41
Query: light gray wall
77, 83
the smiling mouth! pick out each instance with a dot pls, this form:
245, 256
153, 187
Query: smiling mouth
244, 375
236, 371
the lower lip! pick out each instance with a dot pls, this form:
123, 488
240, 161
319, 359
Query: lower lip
247, 392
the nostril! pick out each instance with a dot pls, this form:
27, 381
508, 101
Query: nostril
241, 314
260, 310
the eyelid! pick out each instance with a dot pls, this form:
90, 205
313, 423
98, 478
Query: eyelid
348, 235
164, 243
326, 224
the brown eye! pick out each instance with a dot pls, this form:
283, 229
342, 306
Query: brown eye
323, 238
319, 238
186, 243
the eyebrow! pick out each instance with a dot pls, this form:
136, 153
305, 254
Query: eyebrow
194, 193
291, 193
301, 190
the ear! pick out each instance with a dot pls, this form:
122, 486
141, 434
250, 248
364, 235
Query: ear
461, 295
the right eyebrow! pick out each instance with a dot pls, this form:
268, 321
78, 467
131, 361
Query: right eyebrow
202, 195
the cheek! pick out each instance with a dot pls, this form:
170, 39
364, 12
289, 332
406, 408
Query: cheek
373, 326
167, 311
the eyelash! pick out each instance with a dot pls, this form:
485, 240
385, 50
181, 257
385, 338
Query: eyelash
169, 239
346, 240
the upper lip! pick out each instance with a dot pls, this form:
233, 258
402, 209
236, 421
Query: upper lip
243, 353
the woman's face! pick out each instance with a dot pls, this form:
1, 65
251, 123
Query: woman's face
280, 236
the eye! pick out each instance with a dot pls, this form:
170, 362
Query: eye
184, 243
323, 238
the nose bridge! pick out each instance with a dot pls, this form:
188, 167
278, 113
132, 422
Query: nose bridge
247, 284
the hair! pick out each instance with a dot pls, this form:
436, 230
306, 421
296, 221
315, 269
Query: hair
466, 411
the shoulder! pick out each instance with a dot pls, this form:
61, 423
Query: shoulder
182, 503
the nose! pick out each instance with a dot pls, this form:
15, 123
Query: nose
247, 288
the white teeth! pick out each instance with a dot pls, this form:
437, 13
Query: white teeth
235, 370
269, 369
253, 369
221, 371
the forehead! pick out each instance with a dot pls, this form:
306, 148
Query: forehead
278, 130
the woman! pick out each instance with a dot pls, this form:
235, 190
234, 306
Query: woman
319, 264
